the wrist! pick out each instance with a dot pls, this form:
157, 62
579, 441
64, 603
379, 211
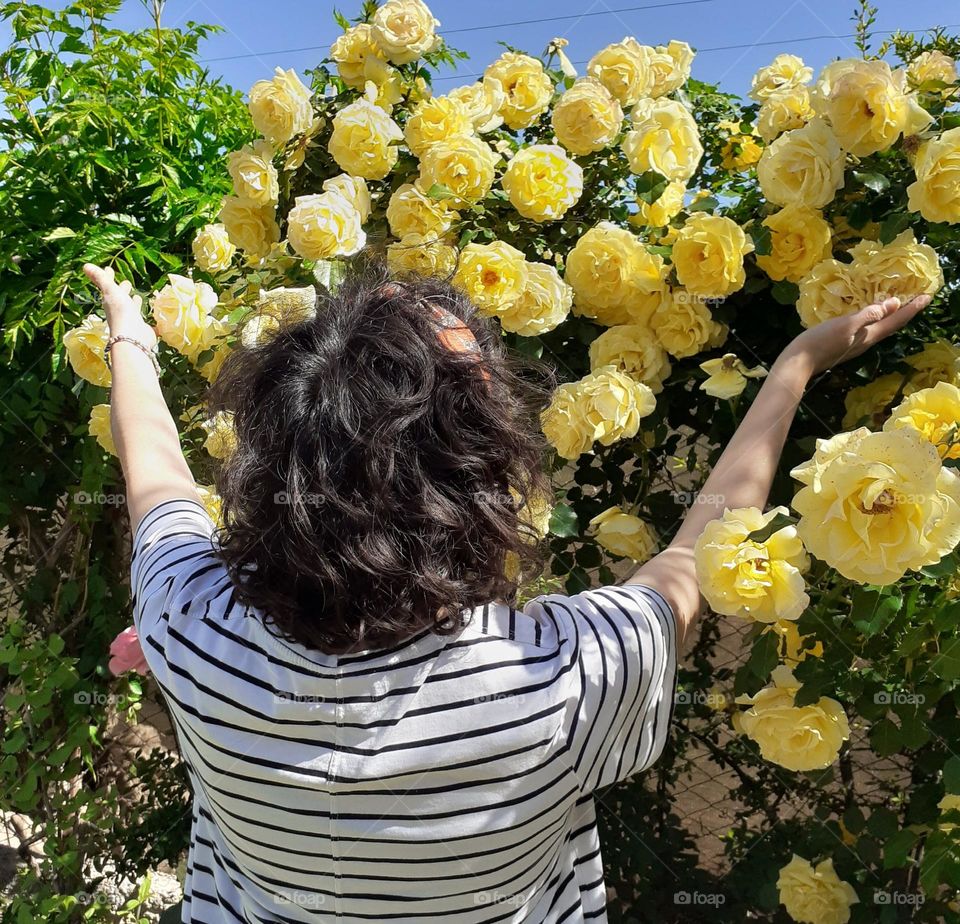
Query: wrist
794, 366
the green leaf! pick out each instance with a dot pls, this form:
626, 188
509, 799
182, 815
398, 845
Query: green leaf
872, 610
892, 225
563, 522
951, 775
439, 191
896, 851
762, 240
764, 656
775, 525
885, 738
874, 181
946, 664
58, 234
785, 292
706, 204
650, 186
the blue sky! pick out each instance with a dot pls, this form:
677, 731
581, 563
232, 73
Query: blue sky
259, 36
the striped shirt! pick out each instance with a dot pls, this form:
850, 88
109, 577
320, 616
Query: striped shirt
446, 778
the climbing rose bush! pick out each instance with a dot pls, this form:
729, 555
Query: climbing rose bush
659, 241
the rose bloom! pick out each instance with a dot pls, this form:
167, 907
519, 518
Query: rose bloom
662, 211
425, 254
793, 646
803, 166
253, 174
353, 189
727, 376
830, 290
615, 279
221, 438
784, 72
877, 505
182, 311
935, 414
740, 152
683, 324
276, 308
280, 108
251, 227
353, 52
587, 118
708, 255
866, 405
799, 738
483, 101
815, 895
465, 166
670, 66
411, 211
933, 67
543, 182
868, 105
212, 503
762, 581
438, 119
624, 534
324, 225
902, 268
784, 111
542, 306
664, 138
527, 87
936, 362
213, 250
605, 405
84, 345
405, 30
800, 238
99, 427
493, 275
363, 141
936, 192
634, 349
624, 69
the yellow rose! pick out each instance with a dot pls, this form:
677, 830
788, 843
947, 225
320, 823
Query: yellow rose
404, 30
543, 182
877, 505
664, 138
708, 255
784, 111
624, 534
932, 67
662, 211
354, 190
465, 166
792, 646
411, 211
605, 405
212, 249
784, 72
758, 580
363, 141
276, 308
253, 174
799, 738
221, 438
251, 227
949, 803
438, 119
527, 88
935, 414
493, 275
354, 52
280, 108
936, 192
324, 225
740, 152
902, 268
868, 105
866, 405
830, 290
634, 349
99, 427
426, 254
543, 304
815, 895
936, 362
182, 311
212, 503
803, 166
615, 279
483, 101
727, 376
624, 69
211, 368
84, 345
670, 66
587, 118
800, 238
683, 324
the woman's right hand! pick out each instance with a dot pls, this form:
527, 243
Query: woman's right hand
839, 339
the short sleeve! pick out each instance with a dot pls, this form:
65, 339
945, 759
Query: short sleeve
621, 642
172, 551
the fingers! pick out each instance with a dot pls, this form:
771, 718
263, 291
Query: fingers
893, 320
101, 276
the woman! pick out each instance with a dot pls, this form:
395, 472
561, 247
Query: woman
372, 732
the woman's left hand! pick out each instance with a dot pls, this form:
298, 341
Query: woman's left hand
121, 306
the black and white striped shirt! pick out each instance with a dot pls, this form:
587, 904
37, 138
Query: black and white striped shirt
448, 778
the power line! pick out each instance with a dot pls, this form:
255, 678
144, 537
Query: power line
498, 25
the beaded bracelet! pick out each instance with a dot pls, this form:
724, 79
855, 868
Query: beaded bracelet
150, 351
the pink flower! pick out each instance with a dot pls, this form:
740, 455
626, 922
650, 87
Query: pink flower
126, 654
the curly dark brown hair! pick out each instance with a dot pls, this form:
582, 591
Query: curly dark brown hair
369, 495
